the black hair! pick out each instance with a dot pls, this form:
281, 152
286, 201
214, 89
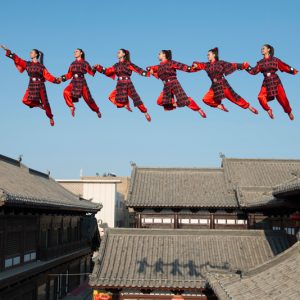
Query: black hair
271, 49
168, 54
82, 53
215, 51
39, 55
127, 54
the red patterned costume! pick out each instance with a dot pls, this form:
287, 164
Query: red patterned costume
125, 87
78, 86
220, 87
35, 95
166, 71
272, 87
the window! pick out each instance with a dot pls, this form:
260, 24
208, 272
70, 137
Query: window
41, 292
290, 230
30, 256
167, 221
194, 221
184, 221
276, 228
12, 261
157, 221
220, 221
204, 221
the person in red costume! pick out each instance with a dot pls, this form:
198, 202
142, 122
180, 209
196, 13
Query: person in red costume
166, 71
36, 94
272, 87
123, 70
216, 70
78, 86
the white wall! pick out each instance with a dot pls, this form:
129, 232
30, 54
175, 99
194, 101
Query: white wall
104, 193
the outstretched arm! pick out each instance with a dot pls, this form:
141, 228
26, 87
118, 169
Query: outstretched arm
283, 67
67, 76
229, 68
253, 71
90, 70
138, 70
109, 72
198, 66
19, 62
153, 70
180, 66
49, 77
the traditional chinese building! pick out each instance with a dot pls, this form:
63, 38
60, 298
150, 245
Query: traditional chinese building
47, 235
241, 194
160, 263
206, 234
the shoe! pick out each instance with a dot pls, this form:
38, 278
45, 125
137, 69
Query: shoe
148, 117
222, 107
51, 122
291, 116
254, 110
99, 114
128, 108
202, 113
271, 114
73, 111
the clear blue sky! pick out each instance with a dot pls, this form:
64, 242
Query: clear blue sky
178, 138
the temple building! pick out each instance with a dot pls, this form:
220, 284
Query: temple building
206, 234
47, 235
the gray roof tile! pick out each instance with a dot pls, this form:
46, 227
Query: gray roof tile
20, 185
278, 278
179, 258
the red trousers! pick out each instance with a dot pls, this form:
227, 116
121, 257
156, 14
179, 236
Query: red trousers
209, 99
69, 99
112, 98
193, 105
44, 104
281, 97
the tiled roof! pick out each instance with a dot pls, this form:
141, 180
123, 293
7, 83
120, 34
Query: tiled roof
238, 183
179, 187
179, 259
277, 279
259, 172
287, 188
20, 185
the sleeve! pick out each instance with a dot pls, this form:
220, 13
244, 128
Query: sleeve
19, 62
229, 68
283, 67
138, 70
67, 76
109, 72
253, 70
89, 69
49, 77
180, 66
200, 66
154, 70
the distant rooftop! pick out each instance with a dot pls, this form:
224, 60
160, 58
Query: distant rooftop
22, 186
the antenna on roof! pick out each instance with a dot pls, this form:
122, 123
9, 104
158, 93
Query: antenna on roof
48, 173
20, 157
222, 155
132, 163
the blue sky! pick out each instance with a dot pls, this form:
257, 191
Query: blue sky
178, 138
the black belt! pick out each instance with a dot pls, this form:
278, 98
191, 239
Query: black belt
78, 76
123, 78
269, 74
34, 79
169, 80
215, 80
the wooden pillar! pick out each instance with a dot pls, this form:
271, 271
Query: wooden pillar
139, 222
176, 220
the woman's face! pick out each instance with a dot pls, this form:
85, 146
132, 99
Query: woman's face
210, 56
265, 50
32, 54
120, 54
161, 56
77, 53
